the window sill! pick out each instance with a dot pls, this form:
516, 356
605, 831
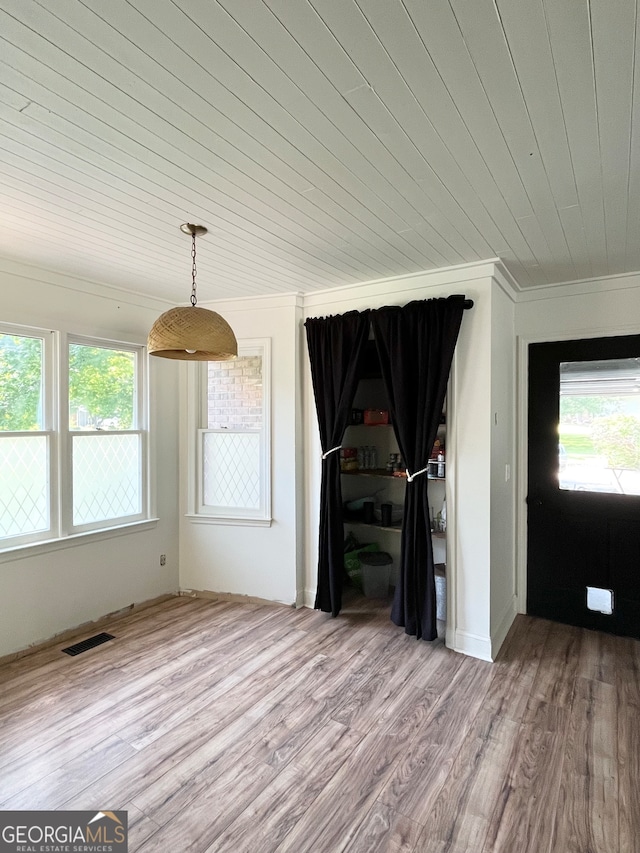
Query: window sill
34, 549
228, 520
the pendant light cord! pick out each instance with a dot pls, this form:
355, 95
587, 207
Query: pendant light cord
194, 298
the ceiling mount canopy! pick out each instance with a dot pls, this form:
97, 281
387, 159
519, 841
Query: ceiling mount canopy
191, 333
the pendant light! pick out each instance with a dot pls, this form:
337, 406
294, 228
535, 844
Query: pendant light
191, 333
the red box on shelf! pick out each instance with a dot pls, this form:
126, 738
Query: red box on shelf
376, 417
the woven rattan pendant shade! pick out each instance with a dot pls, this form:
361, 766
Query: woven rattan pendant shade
192, 334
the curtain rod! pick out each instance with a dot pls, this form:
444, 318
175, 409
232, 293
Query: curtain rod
468, 303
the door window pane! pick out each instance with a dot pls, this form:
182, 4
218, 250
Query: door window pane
599, 429
101, 388
21, 383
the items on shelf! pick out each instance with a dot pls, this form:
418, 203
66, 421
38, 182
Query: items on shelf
352, 550
439, 519
348, 458
441, 591
436, 463
394, 464
367, 567
372, 510
389, 514
376, 573
376, 417
363, 458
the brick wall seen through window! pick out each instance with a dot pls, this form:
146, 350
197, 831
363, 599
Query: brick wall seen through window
234, 398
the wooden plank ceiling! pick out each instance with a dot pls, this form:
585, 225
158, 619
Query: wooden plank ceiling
322, 142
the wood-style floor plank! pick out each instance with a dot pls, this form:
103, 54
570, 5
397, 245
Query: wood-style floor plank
227, 728
589, 821
384, 830
272, 816
461, 813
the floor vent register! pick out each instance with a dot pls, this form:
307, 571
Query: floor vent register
91, 643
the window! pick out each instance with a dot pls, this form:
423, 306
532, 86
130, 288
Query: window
72, 437
599, 428
26, 438
233, 438
106, 444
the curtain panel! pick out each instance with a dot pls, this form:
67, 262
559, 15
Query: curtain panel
416, 343
336, 345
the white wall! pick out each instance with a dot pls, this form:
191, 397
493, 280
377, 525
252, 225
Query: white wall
586, 309
470, 511
251, 560
503, 424
47, 594
62, 588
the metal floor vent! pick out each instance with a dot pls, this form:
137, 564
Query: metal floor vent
85, 645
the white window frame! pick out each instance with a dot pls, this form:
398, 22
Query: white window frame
49, 431
62, 531
198, 417
139, 429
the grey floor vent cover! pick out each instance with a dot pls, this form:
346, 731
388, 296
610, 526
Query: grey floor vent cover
84, 645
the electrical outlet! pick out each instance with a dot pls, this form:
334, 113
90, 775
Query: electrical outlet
163, 559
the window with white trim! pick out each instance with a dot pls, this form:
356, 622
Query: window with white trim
73, 438
234, 437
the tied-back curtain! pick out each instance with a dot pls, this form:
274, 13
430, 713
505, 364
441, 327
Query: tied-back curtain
335, 347
416, 344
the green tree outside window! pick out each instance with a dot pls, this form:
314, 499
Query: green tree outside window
101, 388
20, 383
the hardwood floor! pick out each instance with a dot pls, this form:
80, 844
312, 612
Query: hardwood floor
242, 727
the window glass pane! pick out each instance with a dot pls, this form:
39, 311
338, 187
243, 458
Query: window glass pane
21, 383
232, 469
234, 393
101, 388
599, 443
24, 486
106, 477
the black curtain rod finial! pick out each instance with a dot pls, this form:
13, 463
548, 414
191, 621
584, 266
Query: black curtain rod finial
468, 303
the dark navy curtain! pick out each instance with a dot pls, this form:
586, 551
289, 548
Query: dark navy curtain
416, 344
336, 345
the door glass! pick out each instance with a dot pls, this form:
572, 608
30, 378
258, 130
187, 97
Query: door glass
599, 429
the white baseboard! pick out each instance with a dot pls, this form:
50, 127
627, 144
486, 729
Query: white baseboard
307, 598
470, 644
499, 635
